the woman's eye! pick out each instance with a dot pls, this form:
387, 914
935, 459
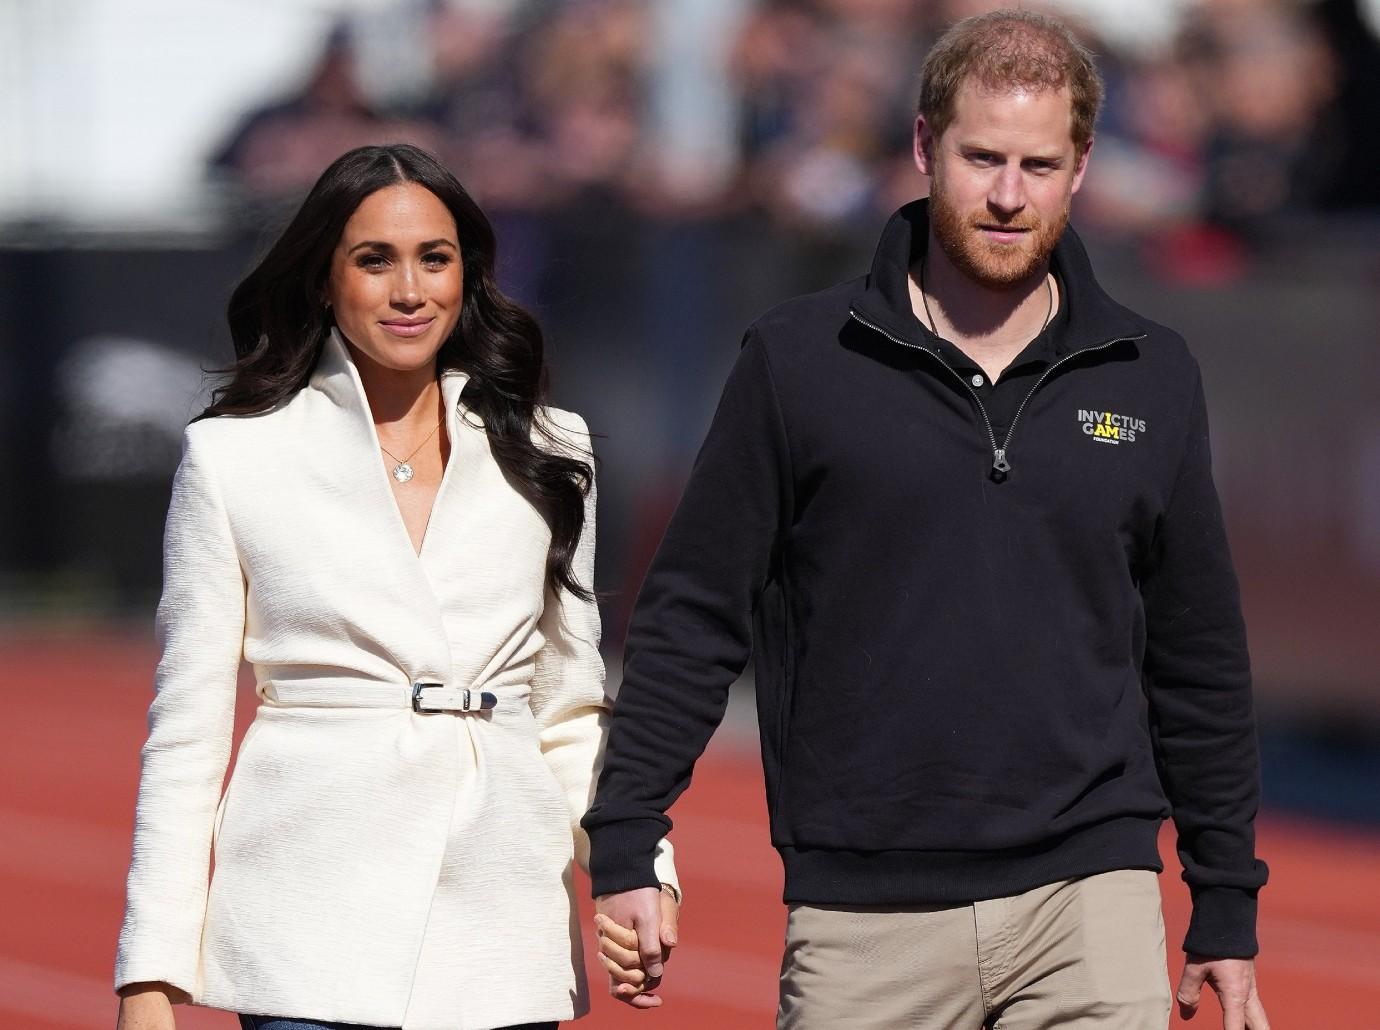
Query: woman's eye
372, 262
436, 260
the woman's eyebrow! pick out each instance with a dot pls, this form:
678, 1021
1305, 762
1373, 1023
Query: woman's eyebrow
383, 245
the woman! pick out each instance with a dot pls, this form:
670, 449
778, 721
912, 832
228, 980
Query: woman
378, 513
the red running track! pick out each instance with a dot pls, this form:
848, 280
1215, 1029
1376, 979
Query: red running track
75, 706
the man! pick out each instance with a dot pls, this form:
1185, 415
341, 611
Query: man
963, 509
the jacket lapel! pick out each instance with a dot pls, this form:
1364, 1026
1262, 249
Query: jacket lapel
350, 460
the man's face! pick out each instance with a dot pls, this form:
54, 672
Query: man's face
1001, 179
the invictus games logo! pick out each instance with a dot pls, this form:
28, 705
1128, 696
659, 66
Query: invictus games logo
1109, 427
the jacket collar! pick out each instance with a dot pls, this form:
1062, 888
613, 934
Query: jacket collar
338, 378
1093, 317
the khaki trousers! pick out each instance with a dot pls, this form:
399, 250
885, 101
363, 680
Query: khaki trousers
1082, 954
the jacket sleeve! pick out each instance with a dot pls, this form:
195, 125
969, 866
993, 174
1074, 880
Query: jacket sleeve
568, 699
1198, 683
200, 629
691, 630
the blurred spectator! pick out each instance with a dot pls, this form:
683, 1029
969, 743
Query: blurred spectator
476, 103
538, 103
1346, 128
279, 150
584, 73
1265, 74
1292, 93
825, 94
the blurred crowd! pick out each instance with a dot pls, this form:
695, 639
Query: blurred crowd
661, 172
800, 110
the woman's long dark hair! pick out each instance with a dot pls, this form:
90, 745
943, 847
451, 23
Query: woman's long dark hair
279, 325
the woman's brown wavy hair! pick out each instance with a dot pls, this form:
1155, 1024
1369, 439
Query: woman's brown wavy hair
279, 326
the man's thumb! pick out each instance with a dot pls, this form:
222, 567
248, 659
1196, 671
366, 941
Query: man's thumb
649, 949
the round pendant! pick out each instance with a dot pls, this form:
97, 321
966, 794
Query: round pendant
402, 472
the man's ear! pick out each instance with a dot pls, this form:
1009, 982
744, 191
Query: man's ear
1081, 168
922, 146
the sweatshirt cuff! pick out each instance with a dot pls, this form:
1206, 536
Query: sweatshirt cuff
1223, 923
622, 855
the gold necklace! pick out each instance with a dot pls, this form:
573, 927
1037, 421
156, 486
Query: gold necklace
402, 471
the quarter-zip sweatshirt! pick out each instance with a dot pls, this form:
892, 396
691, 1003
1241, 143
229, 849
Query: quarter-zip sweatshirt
985, 661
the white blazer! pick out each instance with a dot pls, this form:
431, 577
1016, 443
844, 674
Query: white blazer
372, 864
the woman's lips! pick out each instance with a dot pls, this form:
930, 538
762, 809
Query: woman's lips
408, 328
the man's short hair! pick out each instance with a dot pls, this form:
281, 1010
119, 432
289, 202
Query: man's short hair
1005, 51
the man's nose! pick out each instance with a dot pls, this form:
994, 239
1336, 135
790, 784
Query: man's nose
1007, 195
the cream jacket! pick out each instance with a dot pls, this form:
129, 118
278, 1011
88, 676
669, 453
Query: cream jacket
371, 864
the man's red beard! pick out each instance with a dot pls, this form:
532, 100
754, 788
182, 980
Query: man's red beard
994, 265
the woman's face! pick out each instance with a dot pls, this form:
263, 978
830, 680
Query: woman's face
396, 282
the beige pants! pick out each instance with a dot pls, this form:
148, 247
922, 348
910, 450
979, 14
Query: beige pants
1082, 954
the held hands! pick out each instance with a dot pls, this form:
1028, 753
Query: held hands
636, 930
1234, 981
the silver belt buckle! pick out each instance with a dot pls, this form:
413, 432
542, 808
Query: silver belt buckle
417, 701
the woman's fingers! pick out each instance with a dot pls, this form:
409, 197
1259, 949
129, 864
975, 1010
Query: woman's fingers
620, 974
609, 930
625, 957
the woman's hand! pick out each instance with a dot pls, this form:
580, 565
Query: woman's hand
637, 930
148, 1006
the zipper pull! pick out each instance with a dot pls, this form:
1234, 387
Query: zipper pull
1000, 466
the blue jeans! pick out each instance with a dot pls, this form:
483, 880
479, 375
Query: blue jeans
274, 1023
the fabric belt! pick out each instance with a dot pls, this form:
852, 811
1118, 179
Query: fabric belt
428, 698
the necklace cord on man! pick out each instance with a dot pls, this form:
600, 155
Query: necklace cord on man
925, 299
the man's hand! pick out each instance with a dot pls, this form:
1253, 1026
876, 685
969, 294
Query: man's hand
1234, 981
637, 930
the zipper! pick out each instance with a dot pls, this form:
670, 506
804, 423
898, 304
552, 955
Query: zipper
1001, 467
1047, 372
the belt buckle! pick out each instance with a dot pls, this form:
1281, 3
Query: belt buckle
472, 700
417, 701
